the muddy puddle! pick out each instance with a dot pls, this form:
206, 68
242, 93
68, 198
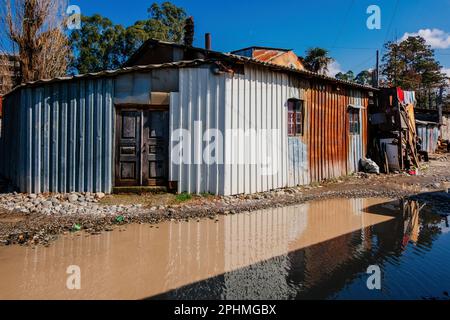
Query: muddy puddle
317, 250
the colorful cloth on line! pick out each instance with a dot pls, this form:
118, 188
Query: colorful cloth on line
409, 97
400, 95
406, 97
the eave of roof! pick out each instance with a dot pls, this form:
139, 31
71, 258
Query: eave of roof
306, 73
427, 123
111, 73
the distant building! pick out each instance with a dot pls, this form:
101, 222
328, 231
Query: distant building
9, 70
281, 57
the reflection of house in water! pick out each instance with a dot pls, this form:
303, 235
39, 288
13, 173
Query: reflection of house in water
280, 253
310, 251
411, 210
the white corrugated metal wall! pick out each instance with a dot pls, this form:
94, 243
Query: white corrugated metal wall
197, 107
65, 140
356, 148
235, 105
257, 100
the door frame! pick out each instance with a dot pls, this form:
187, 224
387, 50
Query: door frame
135, 107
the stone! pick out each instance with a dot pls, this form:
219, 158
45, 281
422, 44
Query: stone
72, 198
47, 204
100, 195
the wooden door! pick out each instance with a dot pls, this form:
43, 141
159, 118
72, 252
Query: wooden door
142, 146
128, 150
155, 145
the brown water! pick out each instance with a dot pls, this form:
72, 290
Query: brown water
321, 249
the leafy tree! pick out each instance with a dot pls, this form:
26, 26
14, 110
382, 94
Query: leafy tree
317, 60
411, 65
100, 44
364, 78
166, 22
348, 76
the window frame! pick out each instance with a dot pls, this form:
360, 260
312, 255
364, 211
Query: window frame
296, 118
354, 119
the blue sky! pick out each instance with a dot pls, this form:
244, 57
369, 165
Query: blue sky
339, 26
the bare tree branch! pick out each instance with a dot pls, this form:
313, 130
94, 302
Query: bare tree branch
35, 33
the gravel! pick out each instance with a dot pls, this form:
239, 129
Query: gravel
38, 219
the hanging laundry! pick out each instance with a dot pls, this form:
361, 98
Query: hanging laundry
409, 97
400, 95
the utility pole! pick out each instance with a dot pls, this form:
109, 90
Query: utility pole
377, 71
440, 103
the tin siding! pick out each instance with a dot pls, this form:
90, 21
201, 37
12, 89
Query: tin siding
199, 107
429, 135
65, 142
357, 145
257, 100
332, 151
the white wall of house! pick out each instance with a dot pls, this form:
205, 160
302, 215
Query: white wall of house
237, 105
257, 103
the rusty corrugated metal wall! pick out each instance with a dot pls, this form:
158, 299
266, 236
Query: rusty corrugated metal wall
332, 151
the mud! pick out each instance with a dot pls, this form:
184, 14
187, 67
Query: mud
38, 229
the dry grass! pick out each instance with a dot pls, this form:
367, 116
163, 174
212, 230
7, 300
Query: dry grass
152, 200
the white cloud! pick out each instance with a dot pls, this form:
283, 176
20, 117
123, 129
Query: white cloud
446, 71
436, 38
334, 68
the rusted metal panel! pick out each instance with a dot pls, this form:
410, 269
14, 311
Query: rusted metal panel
333, 152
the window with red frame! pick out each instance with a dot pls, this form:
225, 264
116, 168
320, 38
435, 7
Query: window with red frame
295, 117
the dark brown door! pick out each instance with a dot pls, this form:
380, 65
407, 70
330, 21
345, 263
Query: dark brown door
155, 148
142, 147
128, 150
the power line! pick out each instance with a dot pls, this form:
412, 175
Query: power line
341, 29
361, 64
390, 26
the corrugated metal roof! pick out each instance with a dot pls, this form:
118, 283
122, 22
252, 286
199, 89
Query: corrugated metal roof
261, 48
306, 73
425, 123
218, 55
109, 73
215, 57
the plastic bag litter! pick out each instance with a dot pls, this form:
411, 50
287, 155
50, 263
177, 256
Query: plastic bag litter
369, 166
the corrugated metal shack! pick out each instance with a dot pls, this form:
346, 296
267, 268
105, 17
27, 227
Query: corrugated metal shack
98, 131
392, 130
429, 133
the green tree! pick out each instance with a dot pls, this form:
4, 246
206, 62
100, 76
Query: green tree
348, 76
364, 78
100, 44
411, 65
166, 22
317, 60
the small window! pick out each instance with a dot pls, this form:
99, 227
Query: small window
295, 117
354, 122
